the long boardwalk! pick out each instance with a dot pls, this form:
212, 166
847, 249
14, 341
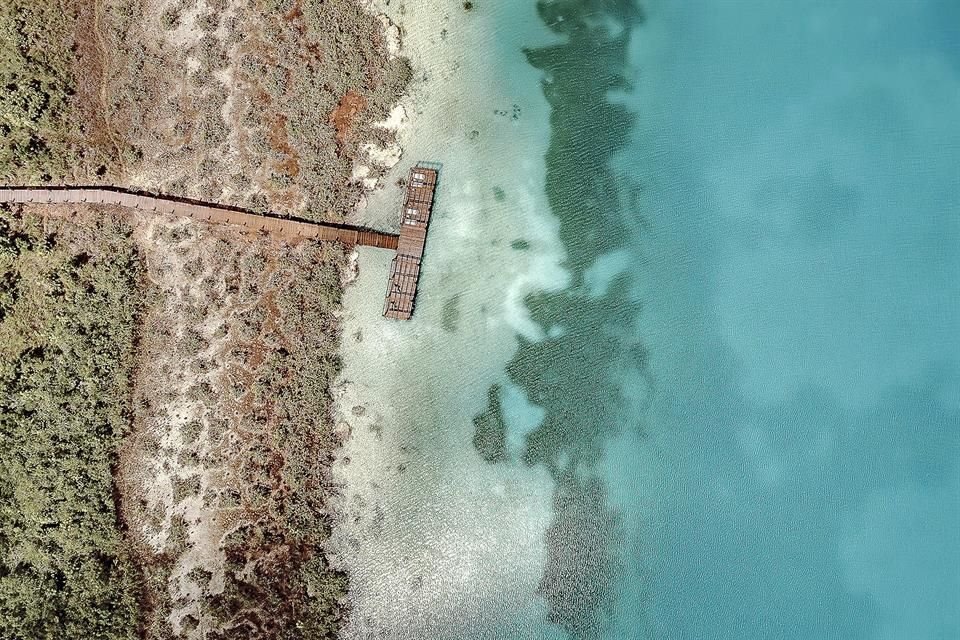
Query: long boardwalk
409, 244
223, 214
414, 219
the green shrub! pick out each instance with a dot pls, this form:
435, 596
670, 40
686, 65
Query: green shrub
66, 336
36, 76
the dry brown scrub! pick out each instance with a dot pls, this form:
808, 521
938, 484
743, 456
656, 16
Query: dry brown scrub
242, 101
223, 480
262, 104
269, 105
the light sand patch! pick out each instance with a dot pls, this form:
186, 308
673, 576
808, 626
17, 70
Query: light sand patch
391, 33
207, 474
386, 157
396, 119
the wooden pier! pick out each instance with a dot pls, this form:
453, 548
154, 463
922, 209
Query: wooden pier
409, 244
216, 213
414, 219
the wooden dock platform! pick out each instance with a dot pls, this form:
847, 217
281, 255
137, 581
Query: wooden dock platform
414, 220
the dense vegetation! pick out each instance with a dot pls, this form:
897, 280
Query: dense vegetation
67, 316
276, 569
266, 104
224, 480
277, 110
52, 117
109, 92
36, 78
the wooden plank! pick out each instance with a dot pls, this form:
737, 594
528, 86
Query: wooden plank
184, 209
308, 230
348, 236
181, 209
195, 210
272, 224
227, 217
410, 246
212, 213
218, 216
146, 203
127, 200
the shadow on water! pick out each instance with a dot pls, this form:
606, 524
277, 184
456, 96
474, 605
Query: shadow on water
572, 373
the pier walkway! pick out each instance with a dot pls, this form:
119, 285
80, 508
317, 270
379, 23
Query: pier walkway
216, 213
409, 244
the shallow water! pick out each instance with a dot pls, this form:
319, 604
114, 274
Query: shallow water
685, 360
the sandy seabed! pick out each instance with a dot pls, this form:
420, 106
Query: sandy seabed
437, 542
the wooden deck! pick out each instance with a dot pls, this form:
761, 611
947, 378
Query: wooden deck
414, 219
409, 244
222, 214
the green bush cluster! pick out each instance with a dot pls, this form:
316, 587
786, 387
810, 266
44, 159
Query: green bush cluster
67, 316
36, 76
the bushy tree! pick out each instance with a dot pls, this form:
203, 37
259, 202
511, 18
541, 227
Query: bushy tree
67, 313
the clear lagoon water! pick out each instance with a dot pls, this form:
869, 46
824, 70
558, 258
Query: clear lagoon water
686, 360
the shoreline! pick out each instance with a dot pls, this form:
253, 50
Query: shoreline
416, 499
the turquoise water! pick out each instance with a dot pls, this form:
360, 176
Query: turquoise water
803, 323
685, 360
749, 395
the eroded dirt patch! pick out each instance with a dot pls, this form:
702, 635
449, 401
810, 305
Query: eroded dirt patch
344, 115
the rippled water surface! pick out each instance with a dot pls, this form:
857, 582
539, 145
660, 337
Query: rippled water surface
685, 362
